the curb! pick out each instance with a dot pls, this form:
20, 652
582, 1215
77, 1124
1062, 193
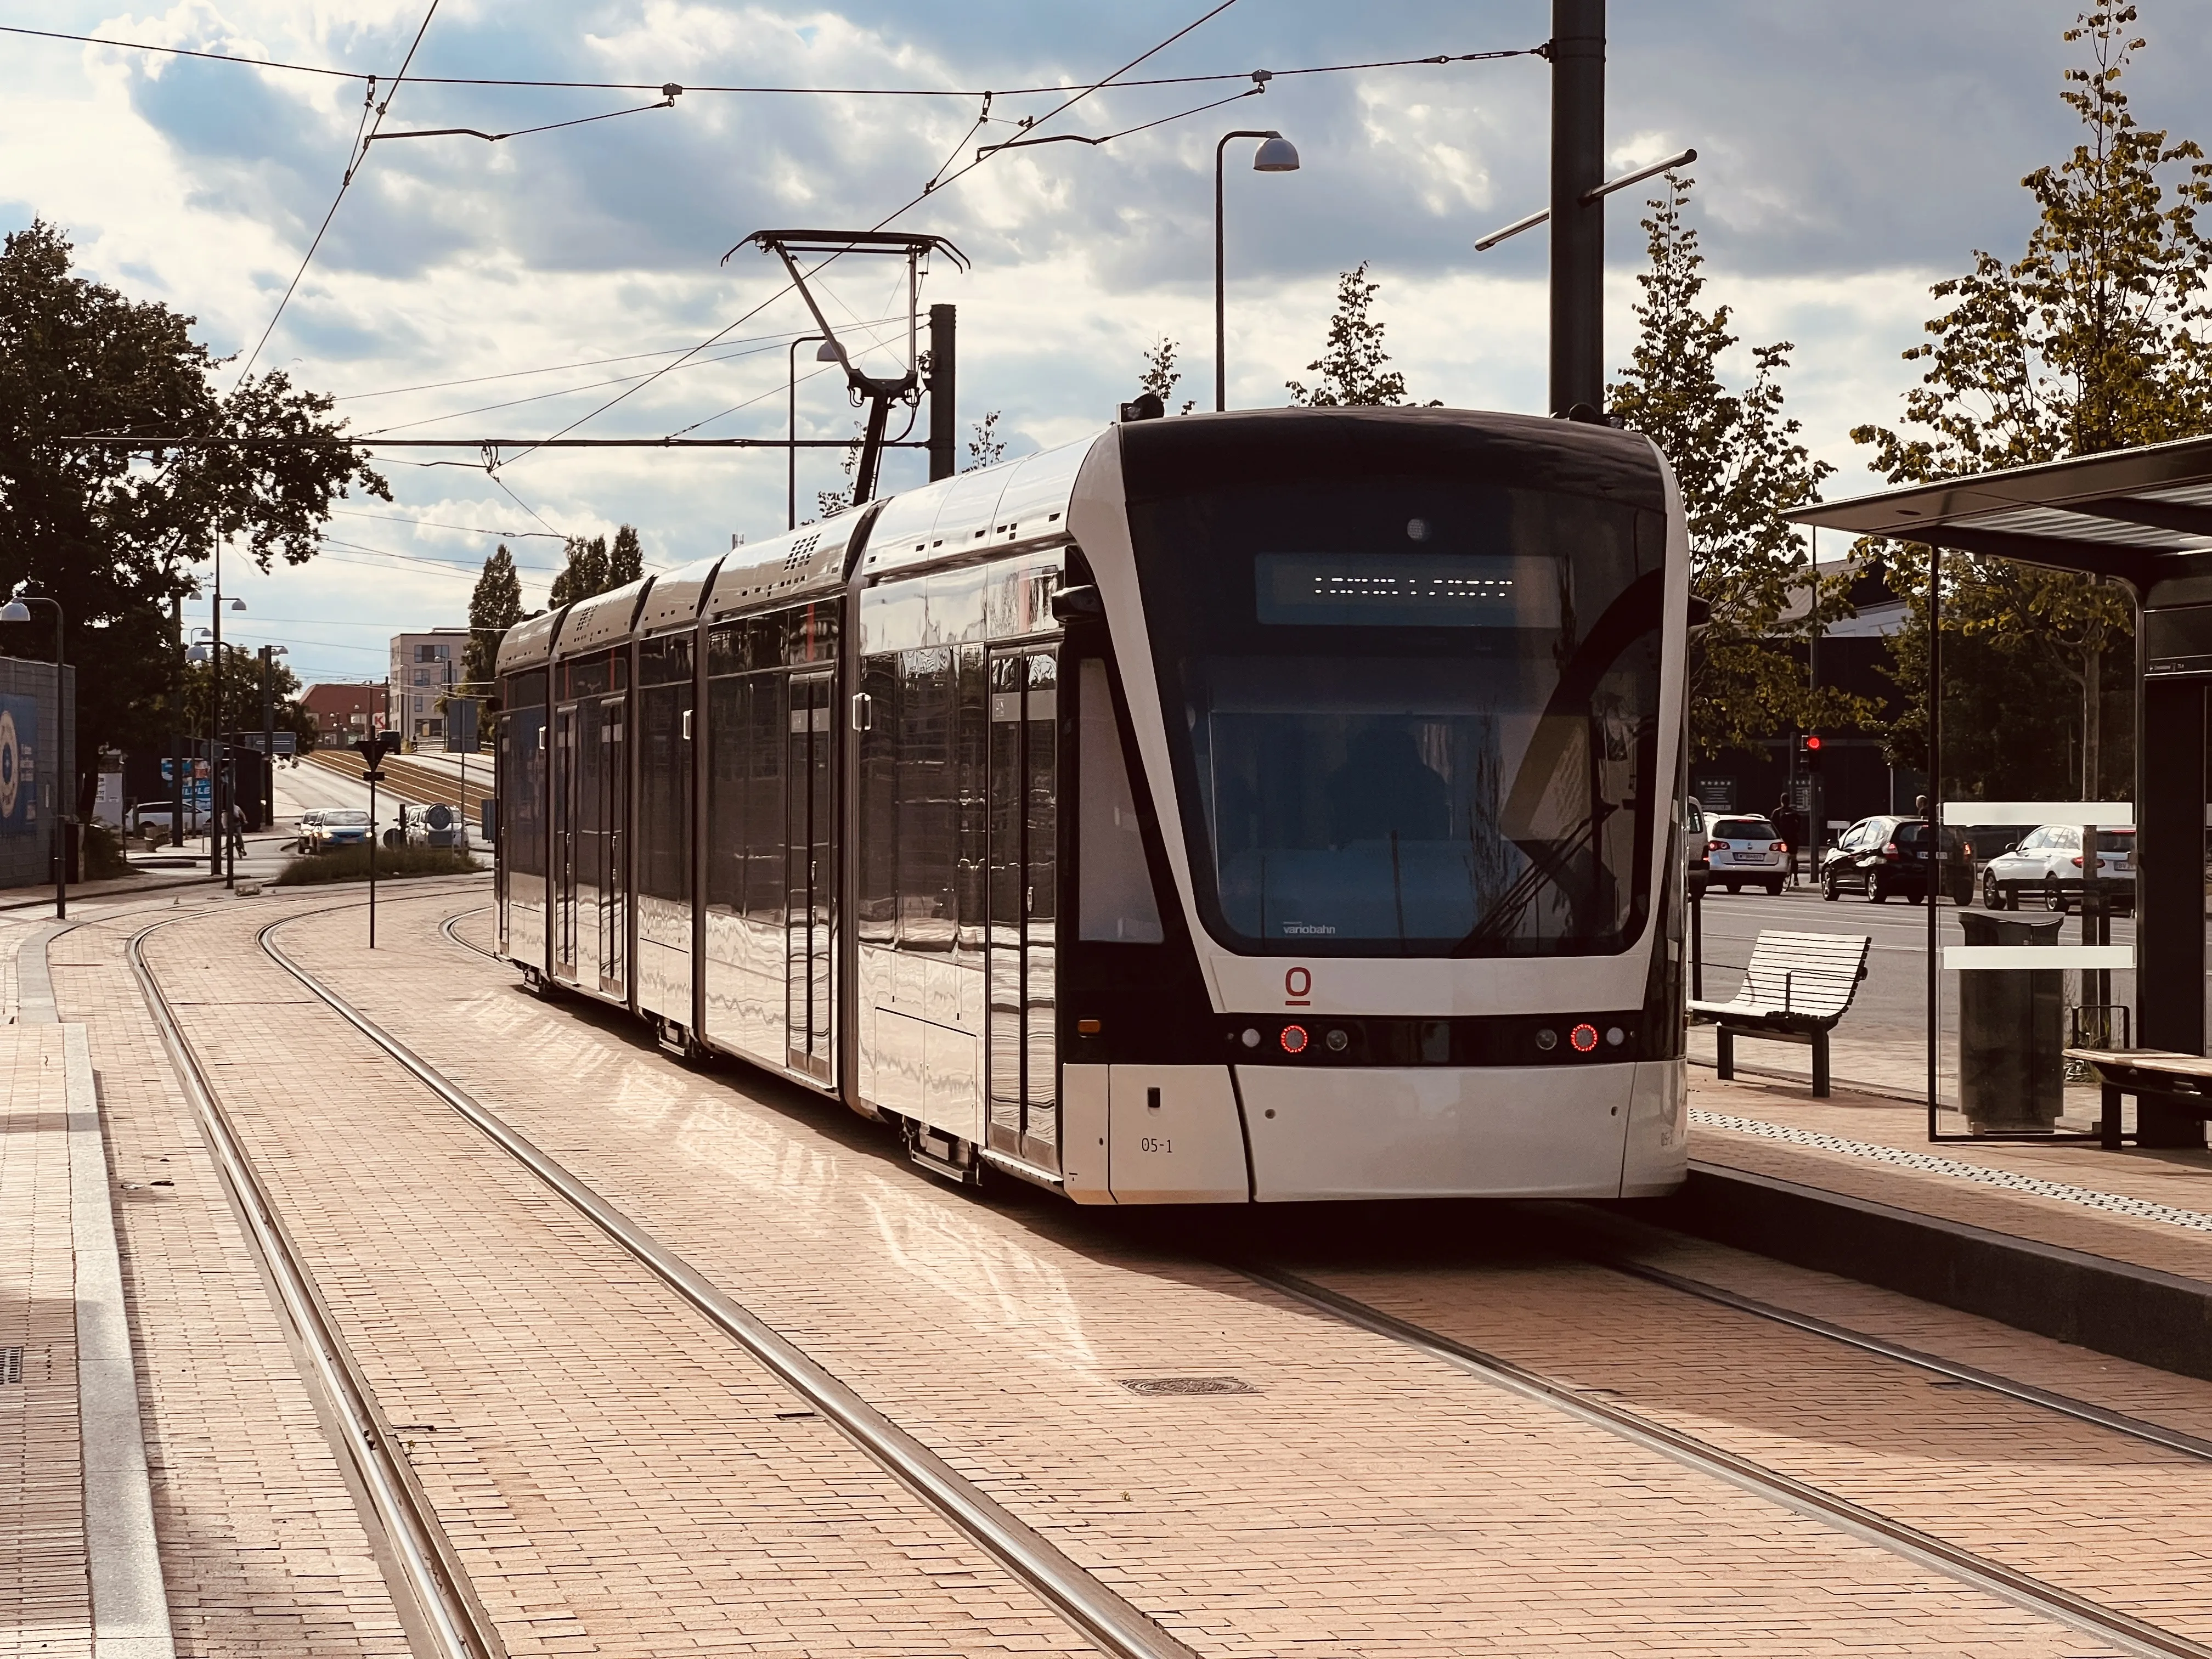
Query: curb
129, 1603
2138, 1314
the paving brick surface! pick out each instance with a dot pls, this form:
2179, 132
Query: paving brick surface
262, 1549
1359, 1499
615, 1475
2181, 1180
46, 1603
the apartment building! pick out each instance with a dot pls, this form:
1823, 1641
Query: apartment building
423, 665
344, 711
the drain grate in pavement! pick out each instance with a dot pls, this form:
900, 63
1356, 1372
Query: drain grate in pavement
11, 1364
1185, 1385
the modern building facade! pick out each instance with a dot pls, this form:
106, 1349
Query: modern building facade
423, 665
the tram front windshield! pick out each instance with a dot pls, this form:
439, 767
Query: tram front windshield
1411, 716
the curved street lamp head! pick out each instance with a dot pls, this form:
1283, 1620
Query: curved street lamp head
1276, 154
825, 353
237, 604
199, 653
14, 611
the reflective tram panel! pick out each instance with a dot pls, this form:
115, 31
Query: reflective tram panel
669, 734
590, 793
525, 780
769, 760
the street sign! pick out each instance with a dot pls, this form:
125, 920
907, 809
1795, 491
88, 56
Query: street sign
461, 725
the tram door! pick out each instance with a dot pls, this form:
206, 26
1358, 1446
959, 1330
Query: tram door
1024, 821
611, 808
809, 877
565, 801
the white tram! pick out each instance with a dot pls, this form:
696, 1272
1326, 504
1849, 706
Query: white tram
1224, 809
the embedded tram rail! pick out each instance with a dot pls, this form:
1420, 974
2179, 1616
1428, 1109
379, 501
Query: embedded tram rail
2126, 1631
1088, 1604
1533, 1372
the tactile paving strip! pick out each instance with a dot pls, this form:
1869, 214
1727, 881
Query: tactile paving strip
2089, 1197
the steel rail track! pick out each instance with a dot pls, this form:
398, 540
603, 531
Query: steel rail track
2131, 1634
1091, 1607
432, 1577
2019, 1587
2065, 1405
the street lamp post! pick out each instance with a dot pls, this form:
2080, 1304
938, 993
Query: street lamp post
269, 655
19, 610
1276, 154
824, 353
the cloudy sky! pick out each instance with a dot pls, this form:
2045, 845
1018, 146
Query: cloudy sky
1852, 155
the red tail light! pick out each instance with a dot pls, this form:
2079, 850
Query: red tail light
2077, 864
1716, 847
1890, 850
1779, 846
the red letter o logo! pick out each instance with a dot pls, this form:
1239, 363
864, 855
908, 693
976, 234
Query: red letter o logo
1297, 987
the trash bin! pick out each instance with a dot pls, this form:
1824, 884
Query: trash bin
2011, 1023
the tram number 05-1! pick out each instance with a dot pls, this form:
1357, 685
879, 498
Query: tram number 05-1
1154, 1144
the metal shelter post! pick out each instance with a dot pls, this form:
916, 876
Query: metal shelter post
2170, 782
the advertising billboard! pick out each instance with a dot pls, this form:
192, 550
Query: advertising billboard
19, 771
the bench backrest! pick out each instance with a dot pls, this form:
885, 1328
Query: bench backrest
1810, 974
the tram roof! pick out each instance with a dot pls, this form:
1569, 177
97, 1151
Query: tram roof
529, 643
2142, 515
994, 507
600, 621
674, 599
785, 566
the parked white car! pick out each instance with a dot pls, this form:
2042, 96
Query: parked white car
1746, 852
2046, 865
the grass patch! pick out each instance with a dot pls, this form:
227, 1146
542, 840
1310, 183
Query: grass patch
392, 863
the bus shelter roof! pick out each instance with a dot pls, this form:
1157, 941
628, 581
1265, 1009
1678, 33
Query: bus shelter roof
2142, 515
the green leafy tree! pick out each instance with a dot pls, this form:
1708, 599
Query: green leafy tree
494, 606
591, 568
1740, 464
2092, 340
242, 694
1160, 375
113, 533
626, 558
1350, 368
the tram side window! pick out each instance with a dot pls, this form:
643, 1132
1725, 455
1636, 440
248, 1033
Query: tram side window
923, 822
726, 738
1116, 887
664, 776
767, 891
878, 852
522, 789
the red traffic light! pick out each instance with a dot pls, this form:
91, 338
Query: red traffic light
1813, 744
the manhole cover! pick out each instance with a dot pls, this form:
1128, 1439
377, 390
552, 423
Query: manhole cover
11, 1364
1178, 1385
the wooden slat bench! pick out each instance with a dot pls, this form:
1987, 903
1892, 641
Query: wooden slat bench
2141, 1072
1797, 987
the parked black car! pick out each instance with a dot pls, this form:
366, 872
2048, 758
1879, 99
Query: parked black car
1886, 854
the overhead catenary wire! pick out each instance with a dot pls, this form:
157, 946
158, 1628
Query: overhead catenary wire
1067, 104
1435, 59
356, 156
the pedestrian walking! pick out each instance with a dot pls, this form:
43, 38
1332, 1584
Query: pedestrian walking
1790, 824
237, 830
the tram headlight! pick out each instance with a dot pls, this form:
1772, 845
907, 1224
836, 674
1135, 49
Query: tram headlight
1337, 1040
1548, 1039
1294, 1039
1583, 1037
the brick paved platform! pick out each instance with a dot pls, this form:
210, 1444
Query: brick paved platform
617, 1478
2113, 1249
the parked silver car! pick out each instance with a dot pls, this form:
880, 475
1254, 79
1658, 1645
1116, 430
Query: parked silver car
2046, 865
1746, 852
